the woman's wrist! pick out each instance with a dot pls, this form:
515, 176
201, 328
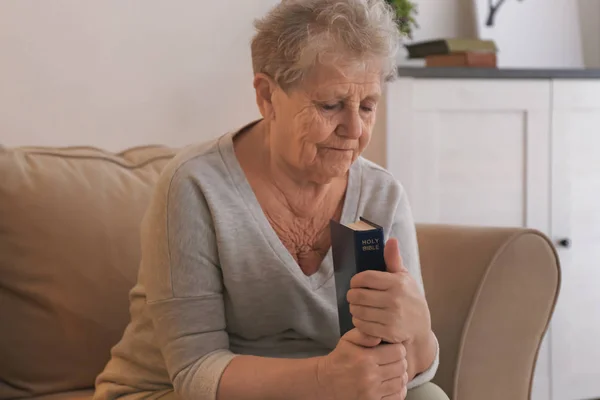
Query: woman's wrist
424, 352
321, 392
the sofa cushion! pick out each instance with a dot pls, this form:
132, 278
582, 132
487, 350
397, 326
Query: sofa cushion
75, 395
69, 253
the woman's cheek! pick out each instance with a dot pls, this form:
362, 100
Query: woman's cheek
365, 136
321, 128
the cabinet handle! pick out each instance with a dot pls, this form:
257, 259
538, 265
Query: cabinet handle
566, 243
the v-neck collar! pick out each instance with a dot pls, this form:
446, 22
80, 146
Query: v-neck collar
349, 212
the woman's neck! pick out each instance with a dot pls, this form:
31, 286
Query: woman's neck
302, 198
289, 187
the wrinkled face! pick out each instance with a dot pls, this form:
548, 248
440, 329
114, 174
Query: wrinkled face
321, 127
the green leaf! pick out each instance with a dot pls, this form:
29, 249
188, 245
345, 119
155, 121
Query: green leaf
406, 12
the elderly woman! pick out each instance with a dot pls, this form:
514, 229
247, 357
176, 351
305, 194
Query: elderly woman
236, 298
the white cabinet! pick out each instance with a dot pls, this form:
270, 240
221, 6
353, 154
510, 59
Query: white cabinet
513, 152
470, 151
575, 344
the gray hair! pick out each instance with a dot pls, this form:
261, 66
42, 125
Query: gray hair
296, 34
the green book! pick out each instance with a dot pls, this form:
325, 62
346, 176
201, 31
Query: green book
447, 46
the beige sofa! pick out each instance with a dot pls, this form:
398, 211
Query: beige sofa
69, 252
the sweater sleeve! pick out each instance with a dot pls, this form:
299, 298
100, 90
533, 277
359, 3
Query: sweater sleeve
184, 287
404, 229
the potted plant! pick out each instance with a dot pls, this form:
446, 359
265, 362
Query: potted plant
406, 12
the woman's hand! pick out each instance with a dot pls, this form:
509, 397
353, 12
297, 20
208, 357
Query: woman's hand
390, 305
360, 368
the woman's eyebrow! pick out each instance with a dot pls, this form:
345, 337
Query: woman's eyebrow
373, 97
343, 95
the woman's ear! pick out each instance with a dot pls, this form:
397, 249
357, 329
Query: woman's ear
265, 88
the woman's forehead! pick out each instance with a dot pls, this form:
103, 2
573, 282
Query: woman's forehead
339, 80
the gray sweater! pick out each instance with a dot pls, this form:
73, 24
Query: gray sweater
215, 281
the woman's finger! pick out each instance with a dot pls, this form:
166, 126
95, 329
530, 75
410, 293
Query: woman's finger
385, 354
397, 396
393, 387
370, 314
371, 328
392, 371
359, 338
376, 280
369, 298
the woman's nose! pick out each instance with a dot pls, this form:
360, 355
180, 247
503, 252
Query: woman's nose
352, 126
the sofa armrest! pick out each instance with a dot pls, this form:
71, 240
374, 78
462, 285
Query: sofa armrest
491, 292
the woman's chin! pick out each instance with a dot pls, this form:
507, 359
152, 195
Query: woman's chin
328, 171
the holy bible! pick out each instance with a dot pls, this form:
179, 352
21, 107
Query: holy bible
355, 247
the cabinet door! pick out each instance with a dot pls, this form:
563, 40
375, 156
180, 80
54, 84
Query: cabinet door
575, 340
474, 152
471, 151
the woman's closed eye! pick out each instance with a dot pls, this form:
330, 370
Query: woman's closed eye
338, 106
331, 106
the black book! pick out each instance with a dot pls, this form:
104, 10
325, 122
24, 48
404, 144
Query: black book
355, 247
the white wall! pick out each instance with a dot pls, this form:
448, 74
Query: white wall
535, 33
589, 11
456, 18
442, 18
116, 73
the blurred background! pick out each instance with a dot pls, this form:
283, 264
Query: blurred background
119, 73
